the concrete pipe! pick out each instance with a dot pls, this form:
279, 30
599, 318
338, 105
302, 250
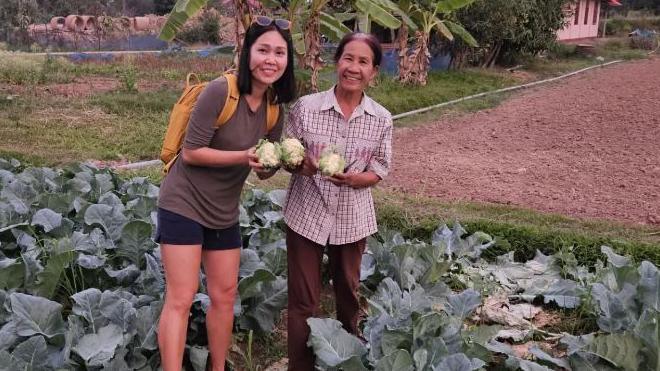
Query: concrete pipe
89, 23
74, 23
57, 22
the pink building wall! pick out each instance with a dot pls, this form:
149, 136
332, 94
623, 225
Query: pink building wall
583, 23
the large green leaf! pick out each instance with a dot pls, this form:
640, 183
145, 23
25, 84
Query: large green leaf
147, 325
649, 285
459, 362
648, 331
47, 219
617, 311
543, 356
32, 354
135, 241
399, 360
199, 356
392, 340
88, 306
458, 30
615, 259
119, 311
564, 293
377, 13
49, 278
99, 348
264, 309
332, 27
398, 11
182, 11
331, 343
34, 315
448, 6
463, 304
110, 218
621, 350
443, 29
251, 286
12, 273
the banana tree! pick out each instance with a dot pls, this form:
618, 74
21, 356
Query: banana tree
414, 66
309, 21
183, 10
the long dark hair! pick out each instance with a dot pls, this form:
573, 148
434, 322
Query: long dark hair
368, 39
284, 88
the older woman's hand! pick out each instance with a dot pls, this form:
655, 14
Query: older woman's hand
309, 167
354, 180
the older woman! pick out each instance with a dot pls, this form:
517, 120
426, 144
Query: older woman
334, 214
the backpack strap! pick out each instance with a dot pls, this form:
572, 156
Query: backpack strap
231, 103
272, 114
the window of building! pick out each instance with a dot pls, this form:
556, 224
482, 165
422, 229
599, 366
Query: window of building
596, 8
586, 12
577, 14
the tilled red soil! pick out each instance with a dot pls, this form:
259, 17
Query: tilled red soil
588, 146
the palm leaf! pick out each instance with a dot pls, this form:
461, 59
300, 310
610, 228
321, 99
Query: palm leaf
462, 33
442, 28
377, 14
332, 27
394, 8
448, 6
182, 11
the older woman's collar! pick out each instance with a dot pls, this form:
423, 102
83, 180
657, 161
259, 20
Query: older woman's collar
330, 101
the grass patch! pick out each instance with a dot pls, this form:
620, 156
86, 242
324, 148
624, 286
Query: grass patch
134, 103
59, 130
472, 105
442, 86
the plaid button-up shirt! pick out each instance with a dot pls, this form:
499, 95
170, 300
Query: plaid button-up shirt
316, 208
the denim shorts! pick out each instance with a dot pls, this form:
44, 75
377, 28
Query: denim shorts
175, 229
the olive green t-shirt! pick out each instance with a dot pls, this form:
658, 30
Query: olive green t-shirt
210, 195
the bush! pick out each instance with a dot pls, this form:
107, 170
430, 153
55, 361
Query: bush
623, 26
206, 30
645, 43
508, 30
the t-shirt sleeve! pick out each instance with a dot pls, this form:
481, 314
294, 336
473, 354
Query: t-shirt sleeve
275, 133
201, 127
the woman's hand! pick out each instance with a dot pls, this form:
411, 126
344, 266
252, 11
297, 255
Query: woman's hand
257, 167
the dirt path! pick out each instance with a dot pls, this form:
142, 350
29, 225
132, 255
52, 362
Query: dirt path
588, 147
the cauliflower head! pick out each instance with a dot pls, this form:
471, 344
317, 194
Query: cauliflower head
331, 163
293, 152
268, 153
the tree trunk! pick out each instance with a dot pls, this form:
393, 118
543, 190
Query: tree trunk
312, 57
419, 60
242, 19
404, 62
492, 55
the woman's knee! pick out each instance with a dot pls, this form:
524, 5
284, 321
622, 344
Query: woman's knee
222, 294
179, 300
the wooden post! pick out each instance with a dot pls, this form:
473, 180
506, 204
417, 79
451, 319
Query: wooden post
605, 20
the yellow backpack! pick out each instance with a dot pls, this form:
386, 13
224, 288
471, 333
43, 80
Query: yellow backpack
176, 129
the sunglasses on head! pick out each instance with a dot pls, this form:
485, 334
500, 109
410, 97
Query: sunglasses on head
265, 21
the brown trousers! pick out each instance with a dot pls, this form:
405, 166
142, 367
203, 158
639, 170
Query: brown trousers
304, 283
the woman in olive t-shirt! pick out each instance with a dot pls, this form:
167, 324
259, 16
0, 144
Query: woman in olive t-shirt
199, 198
